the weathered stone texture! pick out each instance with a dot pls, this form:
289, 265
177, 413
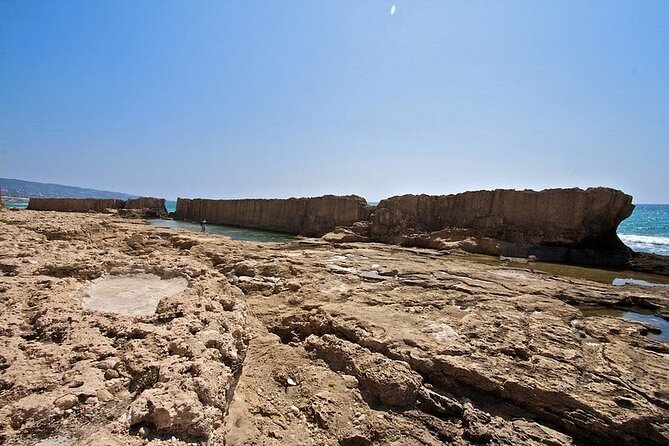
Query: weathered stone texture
306, 216
157, 204
74, 204
555, 224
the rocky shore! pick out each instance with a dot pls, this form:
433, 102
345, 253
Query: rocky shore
142, 207
556, 225
310, 342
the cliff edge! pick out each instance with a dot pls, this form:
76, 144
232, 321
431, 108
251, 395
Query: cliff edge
304, 216
560, 225
142, 207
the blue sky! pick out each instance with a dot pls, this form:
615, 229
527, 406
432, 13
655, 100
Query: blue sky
300, 98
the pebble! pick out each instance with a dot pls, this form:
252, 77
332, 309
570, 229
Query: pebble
66, 402
291, 382
104, 395
111, 374
351, 382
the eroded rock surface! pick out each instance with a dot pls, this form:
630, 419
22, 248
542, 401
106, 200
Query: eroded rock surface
567, 225
75, 365
306, 216
75, 204
142, 207
313, 343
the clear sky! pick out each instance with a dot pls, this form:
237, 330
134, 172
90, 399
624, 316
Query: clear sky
229, 99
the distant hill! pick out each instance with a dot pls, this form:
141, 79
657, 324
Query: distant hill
27, 189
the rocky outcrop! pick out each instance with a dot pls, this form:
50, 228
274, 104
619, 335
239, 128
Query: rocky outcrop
564, 225
144, 207
649, 263
140, 207
157, 204
313, 343
305, 216
74, 204
168, 372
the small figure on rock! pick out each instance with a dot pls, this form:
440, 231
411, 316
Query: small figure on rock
203, 225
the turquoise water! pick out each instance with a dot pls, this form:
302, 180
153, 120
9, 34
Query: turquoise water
647, 229
235, 233
13, 203
170, 205
661, 326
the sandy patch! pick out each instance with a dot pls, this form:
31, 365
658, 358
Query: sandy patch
136, 295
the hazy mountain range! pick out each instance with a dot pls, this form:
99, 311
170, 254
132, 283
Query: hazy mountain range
27, 189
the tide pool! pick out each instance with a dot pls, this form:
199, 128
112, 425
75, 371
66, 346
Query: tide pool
235, 233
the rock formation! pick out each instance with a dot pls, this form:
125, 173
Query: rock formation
75, 204
305, 216
312, 343
558, 225
144, 207
146, 203
565, 225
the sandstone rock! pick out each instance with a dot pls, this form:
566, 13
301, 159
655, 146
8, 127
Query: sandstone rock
172, 412
344, 235
74, 204
32, 411
149, 203
569, 225
457, 351
143, 207
104, 395
385, 381
66, 401
305, 216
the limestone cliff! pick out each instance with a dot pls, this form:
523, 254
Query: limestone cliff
75, 204
571, 225
142, 206
306, 216
146, 203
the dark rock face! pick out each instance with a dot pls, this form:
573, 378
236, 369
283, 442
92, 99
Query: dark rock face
649, 263
563, 225
305, 216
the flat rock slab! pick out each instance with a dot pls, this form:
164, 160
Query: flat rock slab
136, 295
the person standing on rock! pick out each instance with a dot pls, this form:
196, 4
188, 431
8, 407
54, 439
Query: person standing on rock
203, 225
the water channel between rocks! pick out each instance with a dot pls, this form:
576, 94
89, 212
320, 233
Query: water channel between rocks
235, 233
658, 326
610, 277
659, 332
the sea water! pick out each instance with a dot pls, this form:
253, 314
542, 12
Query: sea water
170, 205
15, 203
234, 232
647, 229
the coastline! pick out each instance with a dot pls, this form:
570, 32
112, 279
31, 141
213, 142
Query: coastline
319, 341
